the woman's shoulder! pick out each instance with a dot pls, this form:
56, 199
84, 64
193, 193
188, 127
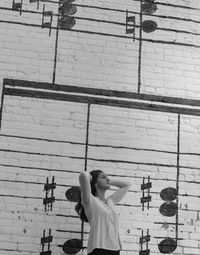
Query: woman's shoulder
92, 200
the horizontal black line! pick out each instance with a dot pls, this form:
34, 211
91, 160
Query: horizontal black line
24, 197
39, 168
130, 162
36, 183
25, 182
29, 197
90, 6
100, 92
173, 42
177, 31
100, 101
82, 247
67, 216
41, 154
92, 159
132, 191
13, 250
174, 18
67, 30
169, 223
120, 205
110, 9
42, 139
67, 171
93, 145
123, 24
178, 6
123, 11
170, 42
70, 231
120, 10
164, 237
116, 175
173, 5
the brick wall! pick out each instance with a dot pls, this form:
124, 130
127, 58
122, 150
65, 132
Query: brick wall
59, 131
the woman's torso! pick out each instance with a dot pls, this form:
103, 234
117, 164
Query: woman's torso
103, 219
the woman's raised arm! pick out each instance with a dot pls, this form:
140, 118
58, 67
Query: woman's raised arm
123, 186
84, 180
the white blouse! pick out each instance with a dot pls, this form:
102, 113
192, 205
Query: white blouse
103, 220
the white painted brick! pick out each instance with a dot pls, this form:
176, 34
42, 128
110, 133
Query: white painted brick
107, 63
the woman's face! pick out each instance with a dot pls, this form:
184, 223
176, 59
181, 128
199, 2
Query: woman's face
103, 182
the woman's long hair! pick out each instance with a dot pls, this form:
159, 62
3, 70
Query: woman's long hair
79, 207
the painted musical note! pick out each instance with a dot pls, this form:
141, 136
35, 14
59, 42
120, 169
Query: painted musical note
49, 23
49, 187
168, 209
46, 240
66, 10
144, 240
35, 1
149, 7
130, 24
146, 198
72, 246
149, 26
17, 6
73, 194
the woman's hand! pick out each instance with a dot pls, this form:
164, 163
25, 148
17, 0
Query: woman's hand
123, 186
119, 183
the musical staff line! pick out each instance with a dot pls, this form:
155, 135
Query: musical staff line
109, 9
68, 171
159, 3
107, 34
121, 23
97, 145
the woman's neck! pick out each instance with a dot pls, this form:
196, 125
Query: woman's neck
101, 194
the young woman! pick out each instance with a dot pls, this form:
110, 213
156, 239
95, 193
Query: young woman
100, 211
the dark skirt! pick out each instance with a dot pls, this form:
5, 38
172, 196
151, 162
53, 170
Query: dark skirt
104, 252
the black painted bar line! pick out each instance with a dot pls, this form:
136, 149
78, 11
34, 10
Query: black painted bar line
1, 107
99, 92
101, 101
178, 173
87, 136
56, 50
86, 160
140, 49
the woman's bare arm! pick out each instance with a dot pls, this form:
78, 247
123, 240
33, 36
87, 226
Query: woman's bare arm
123, 186
84, 180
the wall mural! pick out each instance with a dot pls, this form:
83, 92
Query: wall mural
91, 101
164, 203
